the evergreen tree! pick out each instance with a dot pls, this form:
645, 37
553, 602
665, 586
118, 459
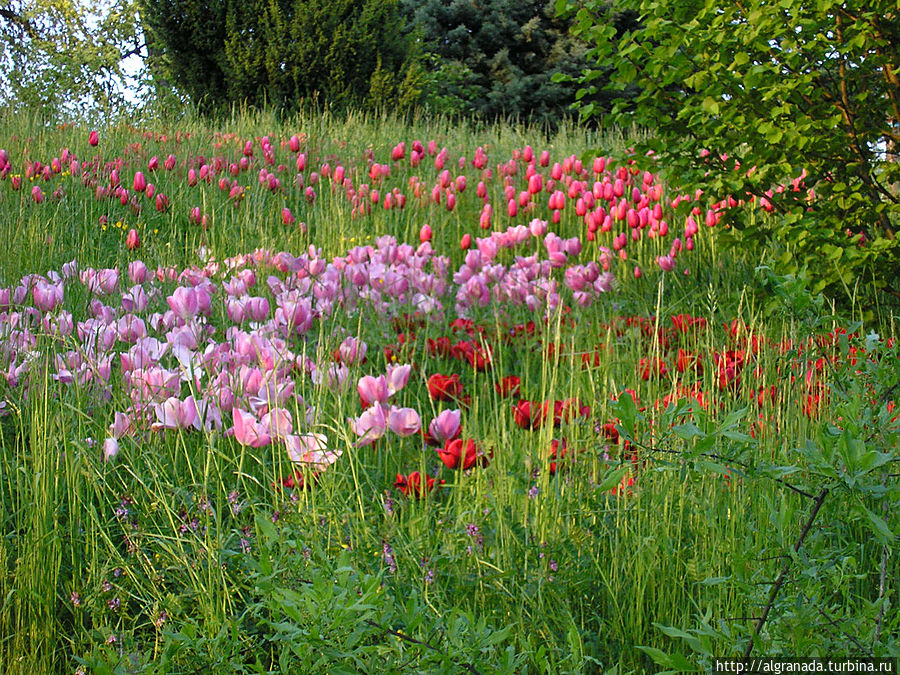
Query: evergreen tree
186, 46
281, 52
501, 57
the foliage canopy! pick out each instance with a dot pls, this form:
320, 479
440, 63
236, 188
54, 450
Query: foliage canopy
744, 97
65, 55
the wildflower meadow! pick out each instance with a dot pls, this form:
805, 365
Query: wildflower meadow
341, 394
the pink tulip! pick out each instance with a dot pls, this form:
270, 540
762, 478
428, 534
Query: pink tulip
277, 423
110, 449
311, 450
176, 414
121, 426
140, 183
404, 421
236, 309
446, 426
37, 195
352, 351
286, 216
46, 296
247, 431
666, 263
397, 377
138, 272
257, 308
371, 425
184, 302
295, 313
372, 390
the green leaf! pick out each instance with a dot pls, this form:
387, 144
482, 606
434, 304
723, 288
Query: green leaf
878, 526
710, 105
688, 431
612, 478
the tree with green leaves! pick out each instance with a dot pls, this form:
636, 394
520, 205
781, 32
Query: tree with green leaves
64, 57
280, 52
744, 98
497, 58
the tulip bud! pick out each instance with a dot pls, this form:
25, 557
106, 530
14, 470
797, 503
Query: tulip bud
132, 241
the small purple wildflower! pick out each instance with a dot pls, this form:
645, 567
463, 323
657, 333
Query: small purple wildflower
389, 559
160, 620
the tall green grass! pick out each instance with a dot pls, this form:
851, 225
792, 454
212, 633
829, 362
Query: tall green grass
178, 556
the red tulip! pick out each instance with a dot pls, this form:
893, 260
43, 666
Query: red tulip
508, 386
162, 203
530, 414
466, 241
425, 233
286, 216
462, 453
132, 241
444, 388
558, 450
565, 410
412, 485
93, 138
